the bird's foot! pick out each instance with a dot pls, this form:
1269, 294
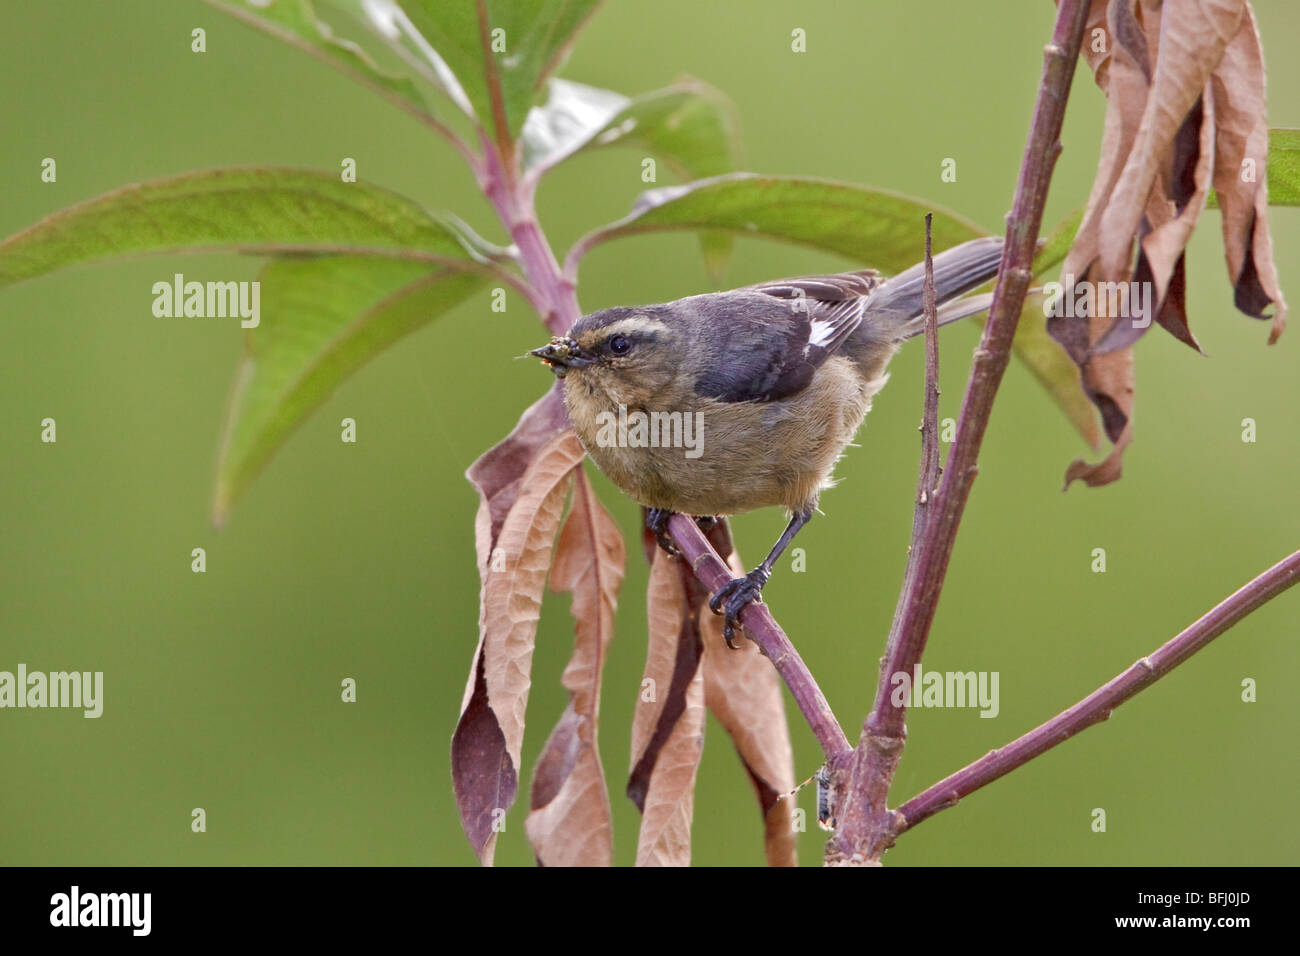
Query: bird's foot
733, 597
656, 520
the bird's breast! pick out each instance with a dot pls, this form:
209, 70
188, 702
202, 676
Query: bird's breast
712, 457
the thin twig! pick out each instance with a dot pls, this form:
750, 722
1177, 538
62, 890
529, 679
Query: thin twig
865, 827
553, 296
926, 483
762, 628
928, 479
1097, 706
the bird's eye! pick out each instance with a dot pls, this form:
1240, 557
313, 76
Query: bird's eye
620, 345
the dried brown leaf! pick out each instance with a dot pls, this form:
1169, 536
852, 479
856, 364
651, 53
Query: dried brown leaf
1108, 381
668, 727
1188, 38
1096, 46
513, 595
1121, 66
1241, 142
743, 691
1184, 81
569, 823
523, 482
497, 473
1172, 220
1105, 471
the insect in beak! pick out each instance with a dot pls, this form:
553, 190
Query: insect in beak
562, 354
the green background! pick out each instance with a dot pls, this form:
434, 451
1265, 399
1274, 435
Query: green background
222, 689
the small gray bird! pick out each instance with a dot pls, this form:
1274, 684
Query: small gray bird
721, 403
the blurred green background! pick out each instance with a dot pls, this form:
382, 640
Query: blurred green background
222, 689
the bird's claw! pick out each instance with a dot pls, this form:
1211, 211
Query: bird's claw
733, 597
656, 520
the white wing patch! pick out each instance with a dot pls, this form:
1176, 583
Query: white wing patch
832, 324
834, 304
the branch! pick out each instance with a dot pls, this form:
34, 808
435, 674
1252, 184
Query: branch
762, 628
926, 484
928, 480
1098, 705
552, 295
865, 827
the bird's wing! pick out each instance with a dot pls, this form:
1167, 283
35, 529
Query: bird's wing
788, 329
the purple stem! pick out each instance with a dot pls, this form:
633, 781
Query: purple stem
553, 296
865, 827
762, 628
1098, 705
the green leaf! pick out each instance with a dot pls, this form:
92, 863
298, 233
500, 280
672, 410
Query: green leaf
243, 210
875, 227
500, 85
321, 319
1283, 169
567, 122
881, 228
295, 22
690, 126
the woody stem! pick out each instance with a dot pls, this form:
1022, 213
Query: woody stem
865, 827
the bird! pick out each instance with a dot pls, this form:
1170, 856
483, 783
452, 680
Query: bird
725, 402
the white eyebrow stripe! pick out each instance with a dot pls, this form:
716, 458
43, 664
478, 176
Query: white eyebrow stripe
634, 323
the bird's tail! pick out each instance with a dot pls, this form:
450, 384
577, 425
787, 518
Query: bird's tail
954, 311
956, 272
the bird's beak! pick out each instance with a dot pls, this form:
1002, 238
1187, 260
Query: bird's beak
562, 354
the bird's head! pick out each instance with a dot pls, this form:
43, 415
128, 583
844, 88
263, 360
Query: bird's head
629, 355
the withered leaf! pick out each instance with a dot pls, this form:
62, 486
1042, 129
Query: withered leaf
668, 727
1184, 80
1109, 468
1121, 60
523, 483
569, 823
497, 472
743, 691
1241, 144
1187, 38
